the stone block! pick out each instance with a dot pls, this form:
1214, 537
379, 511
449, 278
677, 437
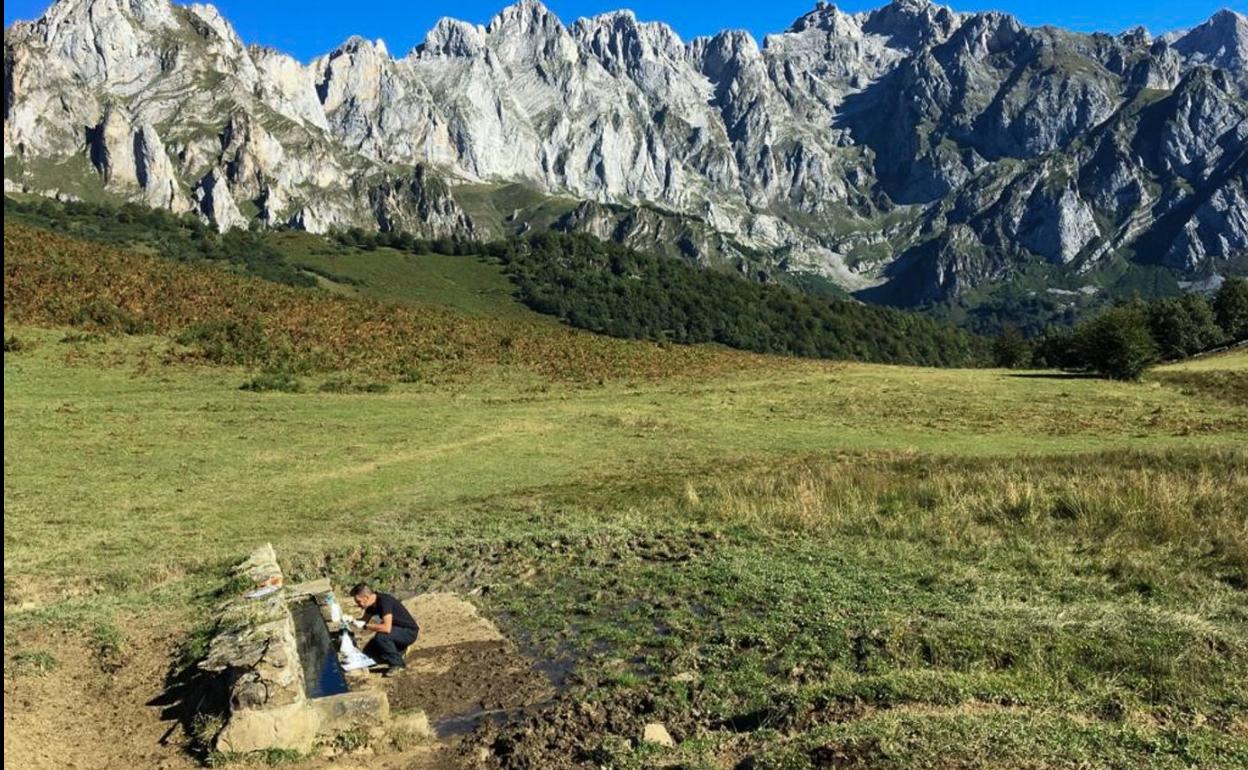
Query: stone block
657, 734
413, 723
362, 708
288, 727
258, 651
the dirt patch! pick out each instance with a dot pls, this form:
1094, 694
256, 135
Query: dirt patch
112, 714
565, 734
446, 620
82, 714
864, 753
459, 685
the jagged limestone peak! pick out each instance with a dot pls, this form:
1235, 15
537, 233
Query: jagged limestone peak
452, 37
874, 139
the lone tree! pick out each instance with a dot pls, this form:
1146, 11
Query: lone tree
1010, 349
1117, 343
1230, 306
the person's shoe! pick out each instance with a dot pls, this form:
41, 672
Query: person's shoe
393, 671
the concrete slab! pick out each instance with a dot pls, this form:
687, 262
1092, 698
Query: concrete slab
314, 588
447, 620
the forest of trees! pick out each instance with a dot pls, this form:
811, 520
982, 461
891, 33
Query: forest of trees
615, 290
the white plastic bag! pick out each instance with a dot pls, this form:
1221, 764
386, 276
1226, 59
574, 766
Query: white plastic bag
350, 655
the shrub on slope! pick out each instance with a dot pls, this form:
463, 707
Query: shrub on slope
229, 319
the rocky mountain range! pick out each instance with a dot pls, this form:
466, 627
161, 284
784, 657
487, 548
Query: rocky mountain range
911, 154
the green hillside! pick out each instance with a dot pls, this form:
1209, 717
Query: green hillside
467, 284
586, 283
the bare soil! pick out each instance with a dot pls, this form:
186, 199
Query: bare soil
92, 713
457, 686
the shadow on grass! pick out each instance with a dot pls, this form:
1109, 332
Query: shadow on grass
195, 700
1055, 376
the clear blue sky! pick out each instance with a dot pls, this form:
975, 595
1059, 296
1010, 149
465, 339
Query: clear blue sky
307, 28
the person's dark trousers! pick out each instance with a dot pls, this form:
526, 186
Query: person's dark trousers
388, 648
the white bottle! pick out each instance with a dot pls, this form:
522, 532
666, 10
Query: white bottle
335, 612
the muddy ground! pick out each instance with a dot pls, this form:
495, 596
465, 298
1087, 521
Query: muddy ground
116, 713
462, 671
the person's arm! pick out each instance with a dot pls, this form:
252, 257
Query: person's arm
387, 622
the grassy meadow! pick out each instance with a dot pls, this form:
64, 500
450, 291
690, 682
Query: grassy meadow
792, 564
466, 285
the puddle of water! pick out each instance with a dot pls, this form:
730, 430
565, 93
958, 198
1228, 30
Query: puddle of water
557, 670
322, 675
462, 724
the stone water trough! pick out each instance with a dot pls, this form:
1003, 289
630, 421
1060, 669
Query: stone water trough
277, 657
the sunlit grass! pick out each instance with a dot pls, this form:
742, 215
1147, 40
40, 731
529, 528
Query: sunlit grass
791, 562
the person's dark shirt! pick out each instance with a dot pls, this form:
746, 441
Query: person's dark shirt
388, 605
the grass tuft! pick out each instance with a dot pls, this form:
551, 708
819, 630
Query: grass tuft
273, 380
31, 663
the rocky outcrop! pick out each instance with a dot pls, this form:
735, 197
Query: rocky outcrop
216, 202
133, 162
287, 87
419, 204
1058, 225
155, 173
111, 146
653, 230
1218, 227
868, 139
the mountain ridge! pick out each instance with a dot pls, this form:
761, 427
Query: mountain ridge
911, 153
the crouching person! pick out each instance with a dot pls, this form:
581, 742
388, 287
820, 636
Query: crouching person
393, 627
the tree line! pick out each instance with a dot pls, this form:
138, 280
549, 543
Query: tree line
1124, 340
183, 237
611, 289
